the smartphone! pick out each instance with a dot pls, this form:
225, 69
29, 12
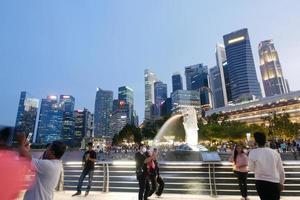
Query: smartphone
29, 136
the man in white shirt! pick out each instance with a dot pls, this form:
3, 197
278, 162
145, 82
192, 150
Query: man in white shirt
48, 170
268, 169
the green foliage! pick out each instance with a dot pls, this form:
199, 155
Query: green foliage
219, 127
281, 126
129, 133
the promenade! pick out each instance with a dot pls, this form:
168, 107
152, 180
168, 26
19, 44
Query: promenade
67, 195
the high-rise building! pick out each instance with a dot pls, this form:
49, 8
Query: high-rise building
189, 72
135, 119
241, 69
125, 94
166, 108
27, 113
185, 98
271, 71
177, 82
197, 79
221, 60
83, 126
103, 110
67, 103
160, 95
50, 121
216, 87
119, 117
200, 83
150, 79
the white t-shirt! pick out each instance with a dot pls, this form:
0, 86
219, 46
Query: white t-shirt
47, 177
266, 164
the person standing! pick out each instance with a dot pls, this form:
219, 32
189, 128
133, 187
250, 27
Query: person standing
155, 178
142, 174
268, 169
47, 170
88, 160
240, 169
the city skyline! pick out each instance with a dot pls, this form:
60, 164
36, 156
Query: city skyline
43, 51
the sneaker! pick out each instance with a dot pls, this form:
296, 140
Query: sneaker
77, 193
86, 193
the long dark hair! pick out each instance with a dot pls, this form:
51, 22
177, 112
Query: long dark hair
235, 153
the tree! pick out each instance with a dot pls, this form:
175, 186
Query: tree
130, 133
281, 126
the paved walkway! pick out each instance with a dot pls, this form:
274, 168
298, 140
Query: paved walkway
132, 196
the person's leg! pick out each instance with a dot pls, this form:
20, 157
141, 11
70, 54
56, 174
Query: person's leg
147, 187
141, 180
91, 174
267, 190
161, 186
153, 184
82, 176
244, 184
239, 179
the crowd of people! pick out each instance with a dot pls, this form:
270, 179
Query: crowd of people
263, 159
280, 145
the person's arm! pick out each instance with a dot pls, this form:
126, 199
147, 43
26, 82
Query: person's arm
24, 146
41, 166
280, 169
231, 158
92, 156
251, 162
153, 157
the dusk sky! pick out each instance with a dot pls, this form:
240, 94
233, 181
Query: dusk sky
72, 47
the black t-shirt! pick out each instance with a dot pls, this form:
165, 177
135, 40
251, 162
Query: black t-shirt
141, 167
88, 164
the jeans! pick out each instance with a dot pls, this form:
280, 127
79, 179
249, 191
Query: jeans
267, 190
85, 172
144, 186
242, 179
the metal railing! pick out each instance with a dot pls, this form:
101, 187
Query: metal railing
207, 178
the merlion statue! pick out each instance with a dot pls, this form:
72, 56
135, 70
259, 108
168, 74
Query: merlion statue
190, 124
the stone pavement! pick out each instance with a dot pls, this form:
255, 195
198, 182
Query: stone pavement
133, 196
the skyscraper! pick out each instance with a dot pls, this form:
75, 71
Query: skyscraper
150, 78
160, 95
177, 82
27, 113
125, 94
50, 121
216, 87
197, 79
83, 126
166, 108
221, 60
190, 71
241, 69
200, 83
119, 117
67, 104
103, 110
182, 99
271, 71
